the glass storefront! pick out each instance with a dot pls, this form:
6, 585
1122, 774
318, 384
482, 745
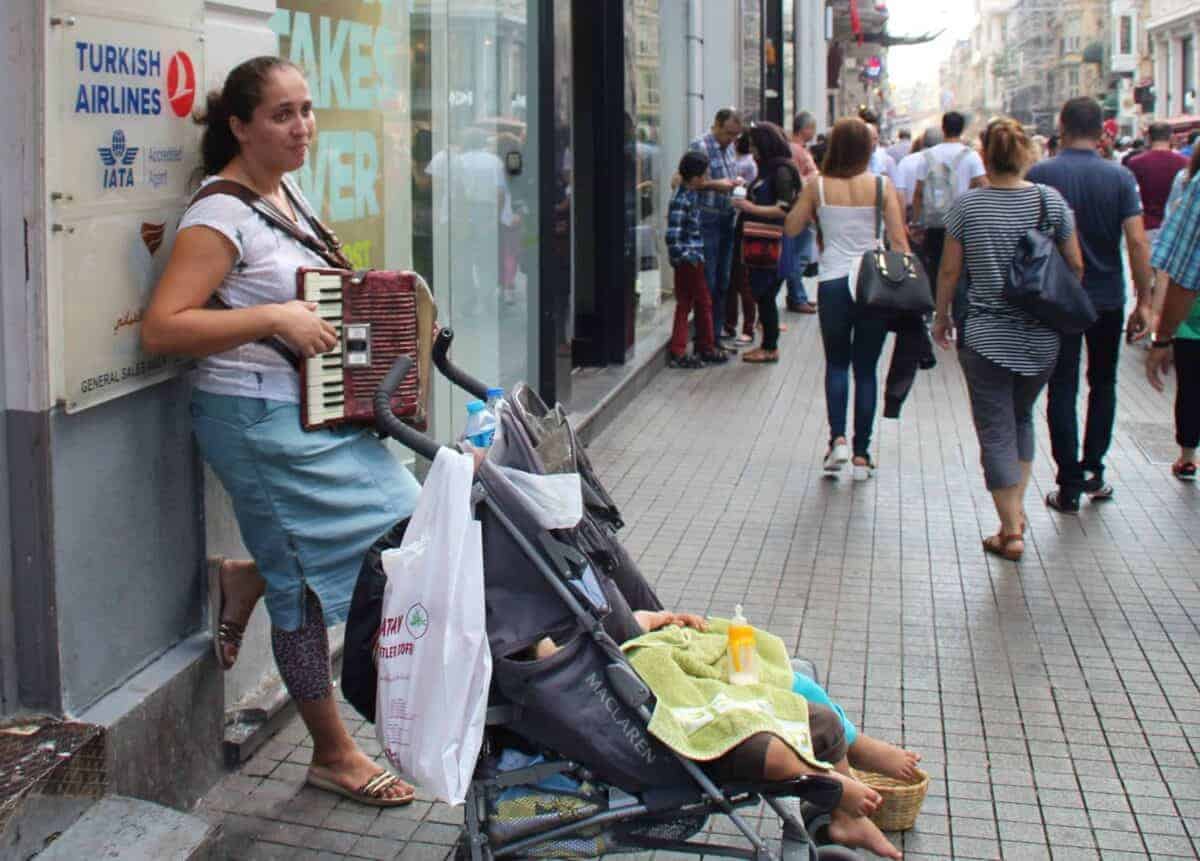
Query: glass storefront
751, 46
441, 149
789, 63
423, 161
654, 287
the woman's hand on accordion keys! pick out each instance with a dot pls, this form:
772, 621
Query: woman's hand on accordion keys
298, 323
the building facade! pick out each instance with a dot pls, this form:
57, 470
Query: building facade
1173, 30
584, 109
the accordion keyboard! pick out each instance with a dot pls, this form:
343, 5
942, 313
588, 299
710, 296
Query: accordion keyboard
326, 388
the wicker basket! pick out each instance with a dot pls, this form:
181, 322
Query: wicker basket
901, 801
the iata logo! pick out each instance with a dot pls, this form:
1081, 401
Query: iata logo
181, 84
117, 159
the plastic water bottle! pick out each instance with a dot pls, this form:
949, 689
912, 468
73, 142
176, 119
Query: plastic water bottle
743, 653
493, 397
481, 424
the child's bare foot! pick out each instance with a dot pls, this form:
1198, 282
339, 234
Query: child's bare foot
871, 754
858, 832
858, 799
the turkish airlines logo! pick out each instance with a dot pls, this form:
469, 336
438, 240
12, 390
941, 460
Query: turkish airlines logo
181, 84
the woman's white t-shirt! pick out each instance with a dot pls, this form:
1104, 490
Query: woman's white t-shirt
263, 273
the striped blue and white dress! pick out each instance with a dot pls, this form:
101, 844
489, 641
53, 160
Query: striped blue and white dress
989, 222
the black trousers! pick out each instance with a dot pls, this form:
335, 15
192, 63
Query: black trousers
1187, 393
765, 284
1103, 342
931, 251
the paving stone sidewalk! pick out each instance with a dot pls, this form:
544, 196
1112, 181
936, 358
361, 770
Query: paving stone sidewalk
1055, 700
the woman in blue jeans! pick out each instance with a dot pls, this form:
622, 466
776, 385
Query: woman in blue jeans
843, 204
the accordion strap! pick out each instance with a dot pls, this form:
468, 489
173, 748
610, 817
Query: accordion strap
277, 219
325, 244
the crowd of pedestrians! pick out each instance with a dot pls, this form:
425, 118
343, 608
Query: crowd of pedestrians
766, 209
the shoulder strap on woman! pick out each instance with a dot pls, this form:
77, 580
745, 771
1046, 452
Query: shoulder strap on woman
821, 189
879, 208
321, 246
1043, 216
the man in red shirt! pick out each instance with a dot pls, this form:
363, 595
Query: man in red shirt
1155, 170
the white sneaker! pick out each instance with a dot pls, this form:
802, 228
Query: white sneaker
863, 471
838, 454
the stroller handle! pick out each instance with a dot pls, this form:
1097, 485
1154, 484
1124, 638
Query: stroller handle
385, 420
451, 371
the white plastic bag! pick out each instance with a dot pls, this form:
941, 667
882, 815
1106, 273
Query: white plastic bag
434, 663
556, 501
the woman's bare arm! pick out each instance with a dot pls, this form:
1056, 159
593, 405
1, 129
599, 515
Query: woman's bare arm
801, 215
1071, 253
893, 216
178, 323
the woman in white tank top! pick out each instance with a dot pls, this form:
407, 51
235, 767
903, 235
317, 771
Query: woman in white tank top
842, 203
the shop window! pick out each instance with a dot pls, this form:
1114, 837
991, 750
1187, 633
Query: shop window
1125, 35
424, 160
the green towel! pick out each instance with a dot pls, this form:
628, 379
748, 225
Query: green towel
699, 713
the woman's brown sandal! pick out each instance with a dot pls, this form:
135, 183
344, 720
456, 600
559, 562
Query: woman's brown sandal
761, 356
1002, 545
373, 793
228, 632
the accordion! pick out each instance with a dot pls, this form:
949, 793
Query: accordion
378, 315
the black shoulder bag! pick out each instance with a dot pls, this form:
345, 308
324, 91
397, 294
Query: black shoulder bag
891, 282
1040, 282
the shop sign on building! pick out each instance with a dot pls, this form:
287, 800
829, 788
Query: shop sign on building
121, 151
348, 54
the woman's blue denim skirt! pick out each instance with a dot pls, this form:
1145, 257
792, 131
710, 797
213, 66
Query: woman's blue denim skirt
309, 504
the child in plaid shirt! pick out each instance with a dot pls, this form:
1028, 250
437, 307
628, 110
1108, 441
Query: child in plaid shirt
686, 248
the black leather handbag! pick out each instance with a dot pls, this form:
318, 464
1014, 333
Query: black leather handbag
891, 282
1040, 282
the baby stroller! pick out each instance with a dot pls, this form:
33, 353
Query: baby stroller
568, 768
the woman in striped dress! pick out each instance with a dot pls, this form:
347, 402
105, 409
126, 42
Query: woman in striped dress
1006, 354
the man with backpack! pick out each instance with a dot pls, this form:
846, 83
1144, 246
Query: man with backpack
1108, 208
944, 173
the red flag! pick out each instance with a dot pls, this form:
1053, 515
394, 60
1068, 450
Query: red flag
855, 21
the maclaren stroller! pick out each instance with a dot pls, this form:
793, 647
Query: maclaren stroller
568, 768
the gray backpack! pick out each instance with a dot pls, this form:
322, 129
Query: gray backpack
938, 191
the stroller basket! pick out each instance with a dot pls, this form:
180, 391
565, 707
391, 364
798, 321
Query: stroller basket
594, 780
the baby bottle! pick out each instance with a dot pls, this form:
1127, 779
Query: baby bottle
743, 658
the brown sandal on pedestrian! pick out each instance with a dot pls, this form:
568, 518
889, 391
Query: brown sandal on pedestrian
1002, 545
373, 793
761, 356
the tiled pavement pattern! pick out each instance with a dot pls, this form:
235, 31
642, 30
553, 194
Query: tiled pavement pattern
1055, 701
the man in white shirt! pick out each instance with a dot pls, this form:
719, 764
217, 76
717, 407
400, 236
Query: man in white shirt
905, 176
944, 173
881, 163
902, 147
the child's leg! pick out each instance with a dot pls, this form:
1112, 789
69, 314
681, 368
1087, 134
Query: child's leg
863, 752
683, 307
814, 693
702, 303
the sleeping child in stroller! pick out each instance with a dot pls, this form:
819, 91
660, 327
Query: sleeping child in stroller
835, 742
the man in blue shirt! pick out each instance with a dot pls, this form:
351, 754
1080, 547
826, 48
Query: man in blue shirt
1107, 207
716, 211
1177, 253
